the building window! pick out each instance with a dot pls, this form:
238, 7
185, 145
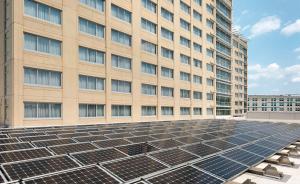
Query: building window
148, 111
197, 31
185, 42
209, 24
121, 110
209, 9
209, 53
96, 4
198, 2
185, 8
167, 53
197, 16
185, 59
42, 110
166, 91
119, 37
197, 111
120, 13
167, 111
223, 49
148, 89
185, 76
197, 79
185, 111
42, 44
42, 11
91, 83
91, 28
210, 111
210, 96
197, 63
148, 68
91, 110
197, 47
148, 26
197, 95
209, 39
185, 93
39, 77
121, 86
167, 15
167, 72
184, 24
148, 47
149, 5
210, 67
165, 33
210, 82
91, 55
121, 62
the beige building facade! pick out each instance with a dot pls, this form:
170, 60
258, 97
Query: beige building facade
68, 62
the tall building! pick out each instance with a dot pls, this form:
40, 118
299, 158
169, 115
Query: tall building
94, 61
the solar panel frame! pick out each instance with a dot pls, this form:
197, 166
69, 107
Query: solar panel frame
15, 146
111, 143
243, 156
220, 144
136, 149
53, 142
259, 150
166, 143
72, 148
201, 150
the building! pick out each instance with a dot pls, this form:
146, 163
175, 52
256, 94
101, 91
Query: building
82, 61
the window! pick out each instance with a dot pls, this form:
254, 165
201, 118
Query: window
148, 89
42, 44
197, 79
42, 11
197, 95
96, 4
167, 111
210, 67
210, 111
91, 83
148, 47
197, 31
41, 77
149, 5
223, 62
197, 111
167, 72
209, 24
185, 93
184, 24
185, 59
120, 13
121, 110
121, 86
226, 11
209, 38
148, 110
209, 53
167, 53
184, 111
210, 82
148, 68
91, 55
209, 9
121, 62
167, 15
91, 28
91, 110
223, 49
197, 16
166, 91
165, 33
224, 36
197, 63
210, 96
185, 8
42, 110
185, 42
185, 76
120, 37
148, 26
197, 47
198, 2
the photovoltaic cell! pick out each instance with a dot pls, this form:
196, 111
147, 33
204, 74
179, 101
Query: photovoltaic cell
141, 139
90, 138
246, 137
38, 138
134, 167
54, 142
188, 140
111, 143
8, 140
15, 146
71, 148
69, 135
162, 136
235, 140
164, 144
243, 157
259, 150
84, 175
119, 135
222, 145
180, 134
135, 149
186, 175
205, 136
201, 149
26, 134
270, 145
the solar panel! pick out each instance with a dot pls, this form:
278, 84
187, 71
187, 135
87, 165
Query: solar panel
92, 174
180, 134
119, 135
243, 157
221, 167
13, 156
235, 140
38, 138
135, 149
186, 175
205, 136
101, 132
140, 139
134, 167
97, 156
3, 136
26, 169
201, 149
26, 134
111, 143
174, 156
46, 143
270, 145
15, 146
69, 135
246, 137
188, 140
71, 148
90, 138
162, 136
141, 133
222, 145
259, 150
8, 140
164, 144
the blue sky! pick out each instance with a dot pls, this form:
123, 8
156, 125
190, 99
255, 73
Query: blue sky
273, 29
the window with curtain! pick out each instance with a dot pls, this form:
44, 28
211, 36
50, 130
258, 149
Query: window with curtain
148, 47
167, 91
148, 110
185, 93
185, 76
165, 33
167, 111
197, 32
148, 25
121, 86
120, 37
197, 16
167, 15
121, 62
197, 79
148, 68
167, 53
210, 111
121, 110
197, 47
96, 4
121, 13
197, 111
209, 96
197, 63
185, 42
148, 89
91, 110
42, 44
185, 111
149, 5
167, 72
184, 24
91, 28
39, 77
42, 11
197, 95
37, 110
210, 82
185, 8
91, 83
91, 55
185, 59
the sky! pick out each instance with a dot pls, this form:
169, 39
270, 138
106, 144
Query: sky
273, 30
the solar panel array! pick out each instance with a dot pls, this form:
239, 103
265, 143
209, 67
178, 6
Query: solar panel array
202, 151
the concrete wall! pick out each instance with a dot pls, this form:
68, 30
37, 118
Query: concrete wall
2, 17
274, 115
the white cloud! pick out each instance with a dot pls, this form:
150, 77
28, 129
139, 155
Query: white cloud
297, 50
292, 28
245, 12
246, 27
296, 79
253, 85
265, 25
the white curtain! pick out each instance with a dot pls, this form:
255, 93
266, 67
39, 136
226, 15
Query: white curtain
100, 57
91, 83
100, 84
100, 110
43, 110
91, 110
43, 44
82, 82
30, 8
30, 42
43, 12
55, 110
55, 79
82, 110
55, 47
30, 110
43, 77
55, 16
100, 31
30, 76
